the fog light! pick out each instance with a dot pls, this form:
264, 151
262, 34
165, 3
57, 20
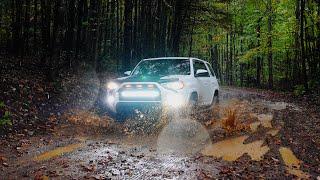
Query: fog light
112, 86
111, 99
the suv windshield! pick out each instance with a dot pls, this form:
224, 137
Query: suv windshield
163, 67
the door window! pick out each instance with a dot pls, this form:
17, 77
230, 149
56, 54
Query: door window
200, 65
211, 70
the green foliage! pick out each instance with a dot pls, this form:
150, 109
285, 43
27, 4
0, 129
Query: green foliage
5, 119
313, 84
249, 55
244, 39
85, 23
299, 90
2, 105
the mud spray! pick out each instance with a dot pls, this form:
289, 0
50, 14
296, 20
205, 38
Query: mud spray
182, 135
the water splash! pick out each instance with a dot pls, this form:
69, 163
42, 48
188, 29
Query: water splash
182, 136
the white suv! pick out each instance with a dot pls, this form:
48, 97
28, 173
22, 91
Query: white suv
174, 82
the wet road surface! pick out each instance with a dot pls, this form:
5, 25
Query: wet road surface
240, 130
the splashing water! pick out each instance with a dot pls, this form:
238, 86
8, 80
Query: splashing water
182, 136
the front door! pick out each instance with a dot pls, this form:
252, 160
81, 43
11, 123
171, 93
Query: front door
205, 91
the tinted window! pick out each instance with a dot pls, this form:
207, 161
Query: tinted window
163, 67
211, 70
200, 65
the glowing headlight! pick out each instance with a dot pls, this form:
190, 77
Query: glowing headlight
112, 85
111, 99
173, 85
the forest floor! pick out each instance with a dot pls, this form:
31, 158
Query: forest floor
58, 132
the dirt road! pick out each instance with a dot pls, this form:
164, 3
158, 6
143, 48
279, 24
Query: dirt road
247, 134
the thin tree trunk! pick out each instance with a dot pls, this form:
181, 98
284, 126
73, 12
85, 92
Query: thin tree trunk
79, 26
127, 36
259, 63
270, 64
26, 28
69, 42
35, 26
191, 39
303, 58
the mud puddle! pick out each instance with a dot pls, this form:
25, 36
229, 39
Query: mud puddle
292, 163
257, 120
232, 149
57, 152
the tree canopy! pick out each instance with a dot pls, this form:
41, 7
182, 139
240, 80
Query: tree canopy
264, 43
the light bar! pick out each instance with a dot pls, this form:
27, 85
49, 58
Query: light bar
128, 86
139, 86
144, 94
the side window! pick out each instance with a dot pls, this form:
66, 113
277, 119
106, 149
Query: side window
211, 70
197, 65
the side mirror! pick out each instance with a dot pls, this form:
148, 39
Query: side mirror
201, 73
127, 73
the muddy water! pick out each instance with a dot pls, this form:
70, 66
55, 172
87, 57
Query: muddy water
263, 119
292, 163
273, 132
232, 149
57, 152
167, 153
246, 114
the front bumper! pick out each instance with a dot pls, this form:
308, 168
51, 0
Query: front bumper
145, 101
129, 107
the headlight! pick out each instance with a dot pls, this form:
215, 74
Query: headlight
173, 85
112, 85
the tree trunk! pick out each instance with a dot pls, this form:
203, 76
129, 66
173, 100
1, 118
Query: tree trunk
26, 28
177, 26
269, 44
303, 58
70, 31
259, 63
45, 29
191, 39
17, 34
79, 26
35, 26
127, 36
318, 39
296, 64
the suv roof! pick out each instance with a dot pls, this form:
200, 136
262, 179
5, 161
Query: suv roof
174, 58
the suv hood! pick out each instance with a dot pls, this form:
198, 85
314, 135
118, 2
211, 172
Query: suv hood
157, 79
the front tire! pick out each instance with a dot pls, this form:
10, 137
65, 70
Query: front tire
193, 103
215, 98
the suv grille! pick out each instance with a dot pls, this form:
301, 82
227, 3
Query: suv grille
139, 92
